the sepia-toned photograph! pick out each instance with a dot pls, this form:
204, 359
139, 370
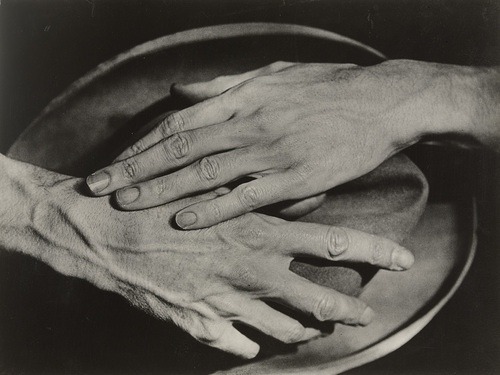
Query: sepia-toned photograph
249, 187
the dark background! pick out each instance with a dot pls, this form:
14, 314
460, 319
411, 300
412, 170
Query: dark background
45, 45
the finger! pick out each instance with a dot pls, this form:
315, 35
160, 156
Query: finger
222, 335
196, 92
343, 244
203, 175
269, 321
292, 210
170, 153
323, 303
244, 198
216, 333
276, 324
206, 113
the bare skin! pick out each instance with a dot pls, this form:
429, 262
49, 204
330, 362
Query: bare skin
301, 128
202, 280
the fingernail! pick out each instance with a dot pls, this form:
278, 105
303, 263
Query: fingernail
402, 259
366, 317
222, 191
127, 196
186, 219
98, 181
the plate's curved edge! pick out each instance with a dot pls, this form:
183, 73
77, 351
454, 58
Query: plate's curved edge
208, 33
393, 342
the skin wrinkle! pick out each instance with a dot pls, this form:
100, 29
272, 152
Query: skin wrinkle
130, 168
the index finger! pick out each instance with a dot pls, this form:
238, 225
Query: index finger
209, 112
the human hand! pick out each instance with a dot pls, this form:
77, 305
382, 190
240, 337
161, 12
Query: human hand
201, 280
302, 128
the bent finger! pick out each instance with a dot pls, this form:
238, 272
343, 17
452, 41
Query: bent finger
222, 335
244, 198
209, 112
259, 315
323, 303
344, 244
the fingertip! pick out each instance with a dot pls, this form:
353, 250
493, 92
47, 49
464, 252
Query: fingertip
253, 350
402, 259
367, 316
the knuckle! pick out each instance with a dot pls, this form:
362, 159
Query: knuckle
177, 146
244, 276
326, 308
220, 80
208, 333
377, 253
243, 91
137, 148
255, 234
209, 168
303, 174
130, 168
249, 197
294, 333
261, 121
278, 65
171, 124
337, 241
160, 187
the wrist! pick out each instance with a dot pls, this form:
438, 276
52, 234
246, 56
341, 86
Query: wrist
411, 89
438, 100
480, 98
458, 104
44, 218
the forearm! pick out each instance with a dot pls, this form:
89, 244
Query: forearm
33, 222
456, 103
476, 94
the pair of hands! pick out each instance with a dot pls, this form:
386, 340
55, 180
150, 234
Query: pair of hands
299, 130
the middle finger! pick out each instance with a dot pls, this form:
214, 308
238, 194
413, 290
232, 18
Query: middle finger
171, 153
